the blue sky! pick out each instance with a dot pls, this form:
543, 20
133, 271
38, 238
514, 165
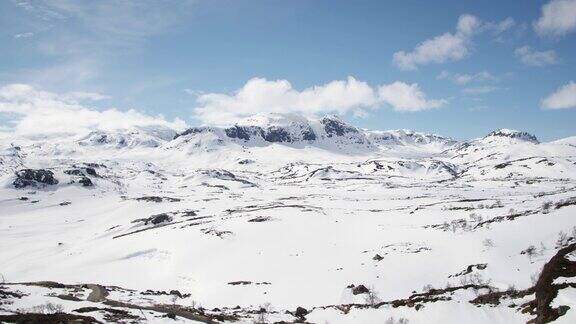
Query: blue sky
457, 68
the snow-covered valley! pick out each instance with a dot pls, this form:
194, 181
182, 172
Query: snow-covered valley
284, 219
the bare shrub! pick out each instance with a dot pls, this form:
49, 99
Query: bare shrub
47, 308
427, 288
563, 240
488, 243
263, 311
401, 320
371, 297
476, 218
546, 206
530, 251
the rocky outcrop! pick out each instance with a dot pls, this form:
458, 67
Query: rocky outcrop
333, 126
34, 178
514, 134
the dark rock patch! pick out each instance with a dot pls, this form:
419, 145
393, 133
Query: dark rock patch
469, 269
75, 172
112, 315
378, 257
244, 282
164, 293
360, 289
34, 178
155, 219
56, 318
157, 199
335, 127
260, 219
301, 312
84, 181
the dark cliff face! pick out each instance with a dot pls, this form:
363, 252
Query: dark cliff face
335, 127
276, 134
244, 132
272, 134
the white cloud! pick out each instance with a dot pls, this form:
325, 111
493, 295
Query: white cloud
558, 17
340, 96
67, 33
479, 90
531, 57
503, 25
563, 98
24, 35
462, 79
34, 112
407, 97
439, 49
448, 46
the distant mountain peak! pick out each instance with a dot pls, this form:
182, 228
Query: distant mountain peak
513, 134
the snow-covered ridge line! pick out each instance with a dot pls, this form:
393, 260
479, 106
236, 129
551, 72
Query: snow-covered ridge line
329, 129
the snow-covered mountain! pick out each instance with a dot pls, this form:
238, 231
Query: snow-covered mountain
329, 132
281, 218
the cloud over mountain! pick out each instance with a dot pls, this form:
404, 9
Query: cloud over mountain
260, 95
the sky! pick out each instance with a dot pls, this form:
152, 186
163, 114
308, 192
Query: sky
456, 68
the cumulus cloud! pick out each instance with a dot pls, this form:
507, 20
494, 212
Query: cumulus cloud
563, 98
259, 95
34, 112
557, 18
448, 46
407, 97
532, 57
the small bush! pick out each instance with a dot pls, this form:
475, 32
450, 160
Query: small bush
371, 297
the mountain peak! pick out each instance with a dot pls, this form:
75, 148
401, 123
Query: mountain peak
272, 119
513, 134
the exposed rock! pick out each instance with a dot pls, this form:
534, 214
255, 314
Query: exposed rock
56, 318
86, 182
510, 133
35, 178
92, 172
260, 219
155, 219
360, 289
245, 161
76, 172
244, 132
301, 312
335, 127
241, 282
157, 199
277, 134
377, 257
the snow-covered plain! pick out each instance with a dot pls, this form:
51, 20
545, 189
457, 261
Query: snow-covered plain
280, 212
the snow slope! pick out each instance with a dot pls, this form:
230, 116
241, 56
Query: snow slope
248, 223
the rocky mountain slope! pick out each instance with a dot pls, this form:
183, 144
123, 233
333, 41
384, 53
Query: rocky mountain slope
283, 219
